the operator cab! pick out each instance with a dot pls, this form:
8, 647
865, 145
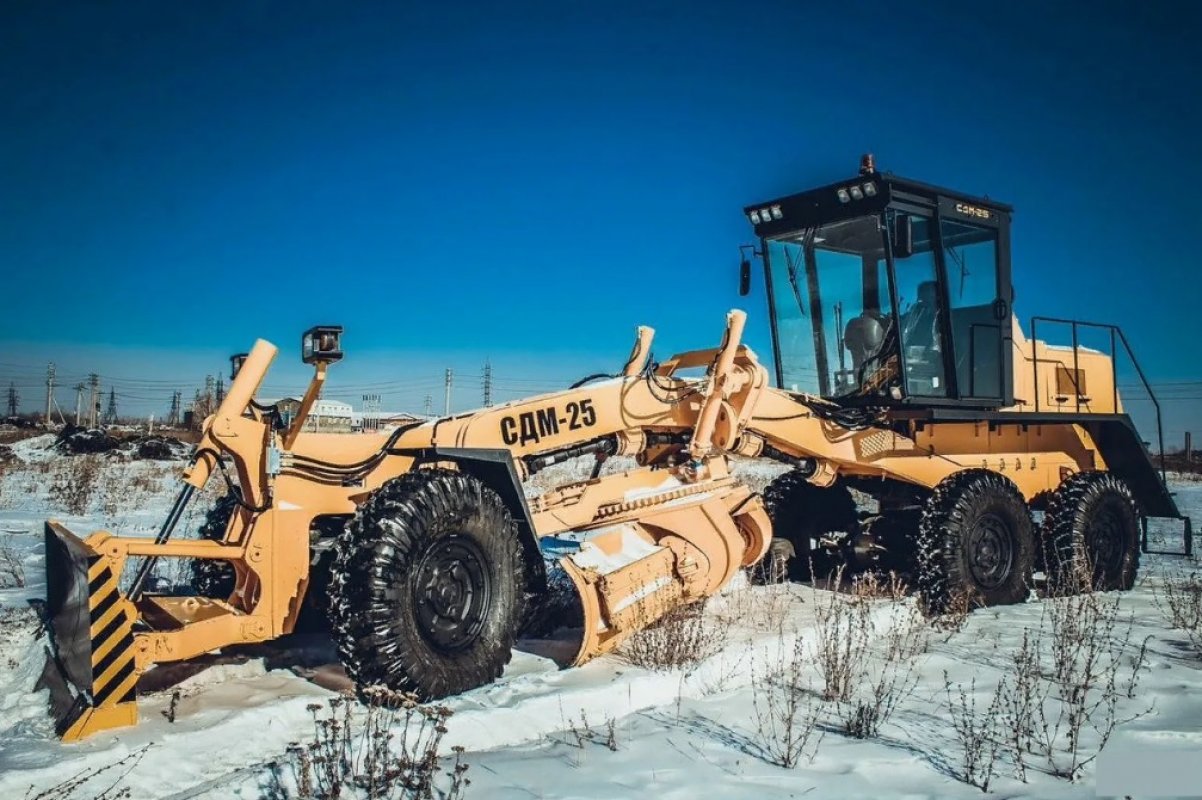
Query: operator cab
885, 291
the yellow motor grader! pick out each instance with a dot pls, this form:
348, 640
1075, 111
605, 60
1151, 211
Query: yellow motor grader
900, 373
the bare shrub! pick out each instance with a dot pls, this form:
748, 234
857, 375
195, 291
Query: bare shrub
842, 632
875, 586
113, 491
954, 615
678, 640
74, 483
18, 625
1087, 648
1179, 599
1058, 703
890, 674
385, 749
787, 711
762, 608
582, 732
12, 564
976, 731
865, 647
80, 785
1021, 698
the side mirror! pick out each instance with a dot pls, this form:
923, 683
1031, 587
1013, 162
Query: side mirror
744, 278
903, 236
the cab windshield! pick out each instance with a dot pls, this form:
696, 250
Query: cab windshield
835, 326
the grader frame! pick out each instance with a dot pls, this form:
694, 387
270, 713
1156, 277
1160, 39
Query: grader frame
676, 528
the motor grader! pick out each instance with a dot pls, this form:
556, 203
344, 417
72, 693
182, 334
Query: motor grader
901, 374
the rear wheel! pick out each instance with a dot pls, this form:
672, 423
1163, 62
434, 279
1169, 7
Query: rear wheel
975, 542
801, 511
427, 587
1091, 534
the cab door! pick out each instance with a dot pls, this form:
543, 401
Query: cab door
975, 268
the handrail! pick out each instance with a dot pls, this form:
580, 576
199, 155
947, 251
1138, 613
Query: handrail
1113, 329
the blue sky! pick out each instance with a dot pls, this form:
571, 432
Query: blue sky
527, 182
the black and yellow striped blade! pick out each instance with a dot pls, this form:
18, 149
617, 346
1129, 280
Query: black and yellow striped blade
90, 668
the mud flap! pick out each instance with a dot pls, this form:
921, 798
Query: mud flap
90, 665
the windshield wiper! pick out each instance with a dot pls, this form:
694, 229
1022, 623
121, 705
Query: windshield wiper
791, 271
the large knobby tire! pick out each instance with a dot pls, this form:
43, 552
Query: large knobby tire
212, 577
427, 589
975, 542
801, 511
1091, 530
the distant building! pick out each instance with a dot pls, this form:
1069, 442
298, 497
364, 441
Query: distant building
369, 421
326, 416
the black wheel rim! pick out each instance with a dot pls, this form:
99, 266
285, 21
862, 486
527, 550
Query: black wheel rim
452, 593
1105, 544
991, 551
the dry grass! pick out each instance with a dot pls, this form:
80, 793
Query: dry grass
12, 564
1056, 706
681, 639
582, 732
384, 750
73, 482
1179, 599
84, 785
976, 731
788, 713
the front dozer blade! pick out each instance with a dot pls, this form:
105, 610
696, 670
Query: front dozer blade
90, 665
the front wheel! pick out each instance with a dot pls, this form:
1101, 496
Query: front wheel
427, 588
802, 512
975, 542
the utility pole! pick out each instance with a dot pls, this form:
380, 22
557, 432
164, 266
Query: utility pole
1189, 448
110, 413
487, 384
14, 400
78, 404
447, 402
93, 400
429, 406
49, 390
173, 415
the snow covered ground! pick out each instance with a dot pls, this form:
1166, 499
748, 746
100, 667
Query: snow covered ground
677, 733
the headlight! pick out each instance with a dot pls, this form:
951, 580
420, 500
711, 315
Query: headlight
322, 343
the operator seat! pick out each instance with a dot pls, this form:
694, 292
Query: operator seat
920, 326
863, 337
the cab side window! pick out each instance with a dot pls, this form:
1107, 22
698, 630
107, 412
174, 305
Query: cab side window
970, 256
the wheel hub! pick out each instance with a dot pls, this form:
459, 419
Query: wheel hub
452, 593
991, 551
